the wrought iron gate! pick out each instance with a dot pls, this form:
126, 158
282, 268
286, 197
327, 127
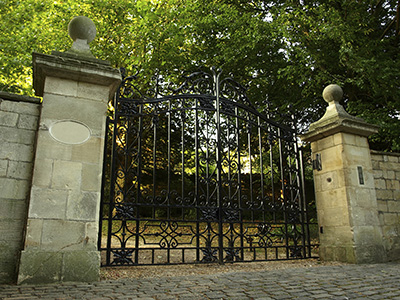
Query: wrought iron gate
197, 175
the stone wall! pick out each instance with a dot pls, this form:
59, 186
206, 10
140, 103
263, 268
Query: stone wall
386, 167
18, 126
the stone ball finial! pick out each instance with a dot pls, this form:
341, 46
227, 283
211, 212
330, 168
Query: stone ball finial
332, 93
82, 28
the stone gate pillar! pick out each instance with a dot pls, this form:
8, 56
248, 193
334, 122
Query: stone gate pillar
344, 185
62, 226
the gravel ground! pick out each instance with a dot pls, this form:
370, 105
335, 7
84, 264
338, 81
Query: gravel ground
112, 273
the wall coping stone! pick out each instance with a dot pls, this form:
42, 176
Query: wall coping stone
74, 67
375, 152
18, 98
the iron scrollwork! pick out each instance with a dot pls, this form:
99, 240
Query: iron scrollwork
197, 173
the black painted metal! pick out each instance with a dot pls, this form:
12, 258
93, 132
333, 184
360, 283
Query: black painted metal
198, 175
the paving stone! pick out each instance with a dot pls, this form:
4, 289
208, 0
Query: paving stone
378, 281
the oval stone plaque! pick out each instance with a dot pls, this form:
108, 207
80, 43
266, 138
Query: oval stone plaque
70, 132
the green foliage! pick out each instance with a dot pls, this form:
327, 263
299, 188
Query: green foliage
286, 51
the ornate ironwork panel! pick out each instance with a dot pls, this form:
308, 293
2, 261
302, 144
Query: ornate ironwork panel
196, 174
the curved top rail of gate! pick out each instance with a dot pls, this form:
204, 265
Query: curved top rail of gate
207, 87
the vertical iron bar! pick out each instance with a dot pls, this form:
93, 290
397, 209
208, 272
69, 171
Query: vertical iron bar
183, 149
250, 165
154, 159
271, 165
261, 167
169, 162
283, 191
219, 168
196, 180
239, 166
139, 175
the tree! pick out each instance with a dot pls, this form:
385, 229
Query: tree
285, 51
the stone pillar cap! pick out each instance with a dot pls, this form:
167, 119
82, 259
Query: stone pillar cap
336, 119
82, 31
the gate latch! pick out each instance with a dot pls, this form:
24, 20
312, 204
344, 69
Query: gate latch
316, 163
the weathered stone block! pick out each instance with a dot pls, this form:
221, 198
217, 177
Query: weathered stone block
396, 195
89, 152
376, 157
384, 194
92, 231
43, 172
349, 139
337, 235
91, 177
9, 255
13, 209
326, 143
19, 170
373, 253
391, 219
382, 205
63, 235
14, 188
8, 272
90, 113
389, 174
19, 136
332, 158
28, 122
331, 199
15, 151
93, 92
21, 107
47, 203
394, 206
356, 156
60, 86
362, 141
3, 167
11, 231
364, 198
388, 166
394, 159
367, 235
34, 233
376, 165
392, 184
8, 119
380, 184
66, 175
81, 266
82, 206
330, 180
336, 216
378, 174
49, 148
38, 267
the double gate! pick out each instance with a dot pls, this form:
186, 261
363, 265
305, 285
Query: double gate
196, 174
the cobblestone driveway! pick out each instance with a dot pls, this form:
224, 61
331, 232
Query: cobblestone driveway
377, 281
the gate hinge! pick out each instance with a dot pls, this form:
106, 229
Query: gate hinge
316, 163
